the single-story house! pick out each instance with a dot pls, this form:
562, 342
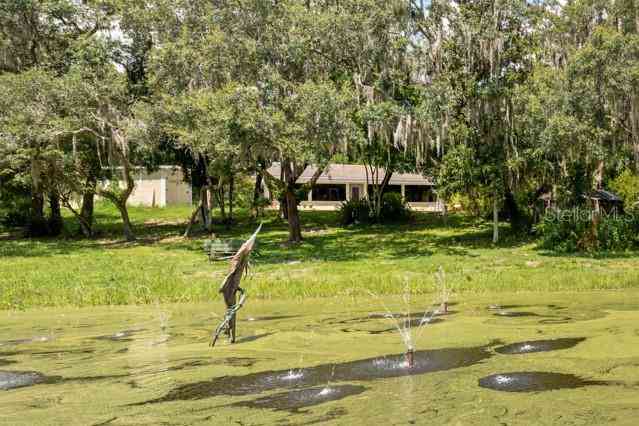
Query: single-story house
341, 182
337, 184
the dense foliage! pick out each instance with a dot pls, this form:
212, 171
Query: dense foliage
575, 231
626, 185
502, 101
354, 212
393, 209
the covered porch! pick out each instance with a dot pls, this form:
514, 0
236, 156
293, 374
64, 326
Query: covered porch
344, 182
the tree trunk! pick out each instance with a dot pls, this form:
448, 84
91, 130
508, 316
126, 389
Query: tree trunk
294, 228
37, 226
518, 220
221, 203
85, 215
126, 222
231, 190
495, 220
55, 218
634, 126
121, 198
85, 227
198, 210
379, 193
599, 173
444, 210
86, 211
206, 208
257, 191
283, 208
290, 198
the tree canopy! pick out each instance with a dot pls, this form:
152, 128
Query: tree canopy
501, 100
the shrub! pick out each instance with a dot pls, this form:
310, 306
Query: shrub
618, 232
627, 186
570, 231
15, 218
355, 211
393, 209
243, 191
14, 209
260, 204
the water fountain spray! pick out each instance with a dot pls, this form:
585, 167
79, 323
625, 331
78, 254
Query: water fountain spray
405, 331
444, 291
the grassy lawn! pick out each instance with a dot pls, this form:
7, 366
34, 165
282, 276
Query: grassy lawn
163, 267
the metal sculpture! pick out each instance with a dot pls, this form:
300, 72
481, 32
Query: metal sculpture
230, 287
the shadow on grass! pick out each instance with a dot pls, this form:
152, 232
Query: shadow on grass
324, 239
12, 245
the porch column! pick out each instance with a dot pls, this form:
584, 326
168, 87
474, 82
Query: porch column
348, 192
403, 191
310, 194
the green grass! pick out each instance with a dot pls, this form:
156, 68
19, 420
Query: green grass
163, 267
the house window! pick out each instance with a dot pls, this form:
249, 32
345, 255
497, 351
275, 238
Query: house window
419, 194
395, 189
329, 193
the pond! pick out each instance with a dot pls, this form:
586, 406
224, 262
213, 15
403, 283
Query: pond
568, 359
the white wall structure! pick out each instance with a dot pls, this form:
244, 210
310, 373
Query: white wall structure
161, 188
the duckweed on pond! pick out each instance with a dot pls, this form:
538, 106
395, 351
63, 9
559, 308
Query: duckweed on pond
281, 368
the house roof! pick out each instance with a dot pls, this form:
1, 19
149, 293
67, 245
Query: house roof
603, 195
352, 173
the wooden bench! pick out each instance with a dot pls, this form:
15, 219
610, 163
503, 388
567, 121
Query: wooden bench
223, 249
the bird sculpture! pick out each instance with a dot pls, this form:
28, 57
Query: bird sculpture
239, 266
